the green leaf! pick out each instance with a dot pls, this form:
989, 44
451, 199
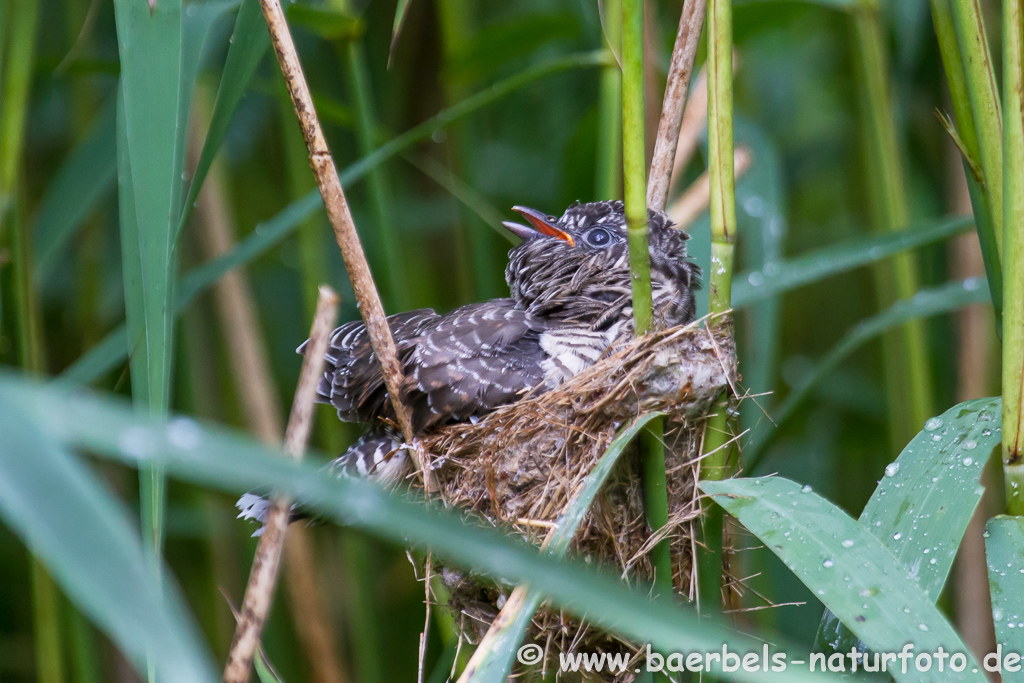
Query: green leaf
927, 302
921, 508
150, 45
90, 546
753, 286
396, 29
847, 568
217, 458
248, 43
496, 666
1004, 550
81, 182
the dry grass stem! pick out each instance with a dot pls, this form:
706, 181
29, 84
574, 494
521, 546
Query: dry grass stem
263, 575
691, 22
340, 217
695, 200
250, 368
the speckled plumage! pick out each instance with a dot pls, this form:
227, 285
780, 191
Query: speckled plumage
570, 300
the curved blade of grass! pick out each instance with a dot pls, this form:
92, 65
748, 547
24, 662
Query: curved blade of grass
249, 41
396, 29
91, 547
1004, 539
82, 181
107, 354
922, 506
926, 303
847, 568
753, 286
217, 458
496, 664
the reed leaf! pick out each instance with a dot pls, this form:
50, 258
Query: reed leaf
1004, 538
847, 568
214, 457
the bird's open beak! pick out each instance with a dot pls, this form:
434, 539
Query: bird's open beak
540, 226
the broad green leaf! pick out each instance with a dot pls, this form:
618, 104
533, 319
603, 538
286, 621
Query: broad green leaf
922, 506
928, 302
216, 458
107, 354
150, 46
90, 546
83, 180
847, 568
497, 665
753, 286
1004, 551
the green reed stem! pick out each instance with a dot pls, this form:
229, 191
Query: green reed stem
17, 43
980, 81
1013, 253
634, 174
906, 354
716, 462
952, 62
609, 125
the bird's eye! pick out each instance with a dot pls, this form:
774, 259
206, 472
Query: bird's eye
598, 237
552, 219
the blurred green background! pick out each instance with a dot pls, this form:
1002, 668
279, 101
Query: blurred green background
428, 220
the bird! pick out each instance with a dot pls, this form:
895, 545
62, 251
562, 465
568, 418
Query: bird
570, 301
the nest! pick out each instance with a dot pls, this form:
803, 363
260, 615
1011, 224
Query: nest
519, 466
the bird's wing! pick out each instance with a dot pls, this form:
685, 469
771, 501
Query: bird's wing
353, 382
471, 361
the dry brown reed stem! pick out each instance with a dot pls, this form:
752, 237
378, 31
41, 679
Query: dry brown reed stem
698, 195
367, 297
691, 22
695, 119
250, 368
263, 575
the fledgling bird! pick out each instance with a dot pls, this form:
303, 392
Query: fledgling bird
570, 300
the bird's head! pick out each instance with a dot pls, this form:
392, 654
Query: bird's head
578, 264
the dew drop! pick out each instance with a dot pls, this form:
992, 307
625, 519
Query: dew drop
932, 424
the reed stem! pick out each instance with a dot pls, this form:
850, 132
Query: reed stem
980, 80
634, 173
609, 126
716, 462
906, 355
952, 62
1013, 253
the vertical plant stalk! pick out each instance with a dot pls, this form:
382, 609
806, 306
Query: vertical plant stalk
340, 216
952, 62
684, 52
715, 464
609, 126
984, 100
906, 356
1013, 253
250, 367
18, 37
652, 446
263, 575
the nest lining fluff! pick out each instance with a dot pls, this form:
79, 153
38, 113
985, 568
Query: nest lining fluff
519, 466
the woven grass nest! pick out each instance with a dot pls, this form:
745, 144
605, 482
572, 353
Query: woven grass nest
519, 466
